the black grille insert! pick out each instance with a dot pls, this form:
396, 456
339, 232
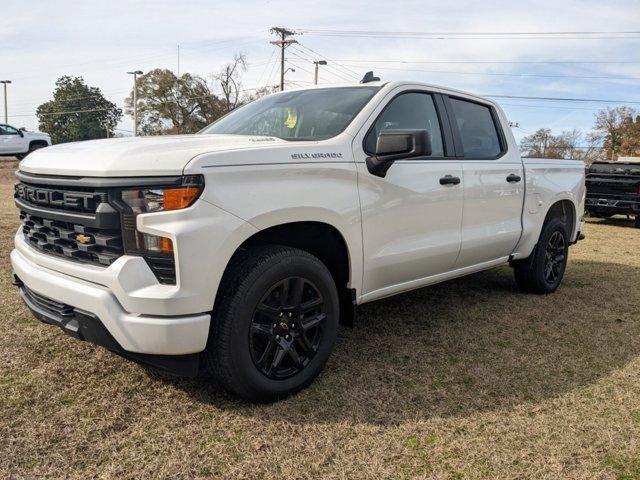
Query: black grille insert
72, 241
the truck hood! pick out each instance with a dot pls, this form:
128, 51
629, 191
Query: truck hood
135, 156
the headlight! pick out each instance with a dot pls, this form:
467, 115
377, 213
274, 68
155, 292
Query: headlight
158, 251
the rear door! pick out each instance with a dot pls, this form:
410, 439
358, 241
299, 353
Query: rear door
493, 183
410, 218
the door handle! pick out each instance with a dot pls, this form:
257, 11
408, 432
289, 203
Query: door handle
513, 178
449, 180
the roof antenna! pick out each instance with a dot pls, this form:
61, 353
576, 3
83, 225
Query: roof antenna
368, 77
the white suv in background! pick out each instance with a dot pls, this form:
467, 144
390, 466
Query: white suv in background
15, 142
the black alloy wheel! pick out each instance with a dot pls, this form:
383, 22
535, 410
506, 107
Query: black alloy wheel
554, 257
542, 272
286, 328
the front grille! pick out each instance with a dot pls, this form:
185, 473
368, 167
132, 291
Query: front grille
72, 241
75, 223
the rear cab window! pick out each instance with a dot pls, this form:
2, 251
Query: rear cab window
479, 133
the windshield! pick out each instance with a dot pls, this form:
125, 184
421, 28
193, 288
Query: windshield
315, 114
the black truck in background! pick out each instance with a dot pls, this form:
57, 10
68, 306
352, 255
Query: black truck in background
613, 188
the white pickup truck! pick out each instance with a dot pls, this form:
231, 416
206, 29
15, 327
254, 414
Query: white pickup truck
239, 250
18, 142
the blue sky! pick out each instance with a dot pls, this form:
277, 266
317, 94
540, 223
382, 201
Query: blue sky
101, 40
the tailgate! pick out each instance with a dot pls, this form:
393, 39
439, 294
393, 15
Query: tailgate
603, 185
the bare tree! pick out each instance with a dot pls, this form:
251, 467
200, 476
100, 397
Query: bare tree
229, 79
568, 144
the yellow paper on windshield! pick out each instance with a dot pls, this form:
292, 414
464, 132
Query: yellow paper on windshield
292, 118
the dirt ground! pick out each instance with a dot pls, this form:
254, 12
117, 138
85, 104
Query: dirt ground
468, 379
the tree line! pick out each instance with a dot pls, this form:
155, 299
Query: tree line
615, 133
167, 104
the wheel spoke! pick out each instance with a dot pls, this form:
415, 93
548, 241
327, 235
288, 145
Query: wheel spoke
261, 329
310, 305
295, 357
268, 350
304, 344
547, 271
268, 311
277, 360
293, 288
309, 323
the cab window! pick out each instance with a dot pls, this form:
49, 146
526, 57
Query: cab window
411, 110
7, 130
478, 133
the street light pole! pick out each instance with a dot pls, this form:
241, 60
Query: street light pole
6, 111
135, 100
315, 77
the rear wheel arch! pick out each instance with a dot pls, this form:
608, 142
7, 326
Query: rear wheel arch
34, 144
565, 210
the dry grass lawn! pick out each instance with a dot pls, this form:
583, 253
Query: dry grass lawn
468, 379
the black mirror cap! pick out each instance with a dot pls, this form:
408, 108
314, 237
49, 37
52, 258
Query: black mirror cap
395, 145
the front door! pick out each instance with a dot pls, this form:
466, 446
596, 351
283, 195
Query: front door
410, 218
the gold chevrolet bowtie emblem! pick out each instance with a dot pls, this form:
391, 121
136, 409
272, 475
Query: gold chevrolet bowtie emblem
83, 238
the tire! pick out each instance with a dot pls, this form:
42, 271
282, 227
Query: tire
543, 271
636, 222
259, 321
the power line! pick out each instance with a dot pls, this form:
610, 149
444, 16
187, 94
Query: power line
500, 74
398, 32
556, 99
508, 62
559, 35
335, 73
347, 70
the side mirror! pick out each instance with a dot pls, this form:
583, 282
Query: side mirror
21, 132
395, 145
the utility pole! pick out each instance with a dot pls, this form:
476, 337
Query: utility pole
6, 111
315, 76
135, 100
283, 42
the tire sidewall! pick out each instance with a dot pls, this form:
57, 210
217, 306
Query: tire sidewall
241, 314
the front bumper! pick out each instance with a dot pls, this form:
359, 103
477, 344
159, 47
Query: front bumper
86, 326
133, 333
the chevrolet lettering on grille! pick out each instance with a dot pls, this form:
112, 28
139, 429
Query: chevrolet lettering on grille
57, 198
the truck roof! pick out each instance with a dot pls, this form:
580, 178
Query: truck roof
397, 83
